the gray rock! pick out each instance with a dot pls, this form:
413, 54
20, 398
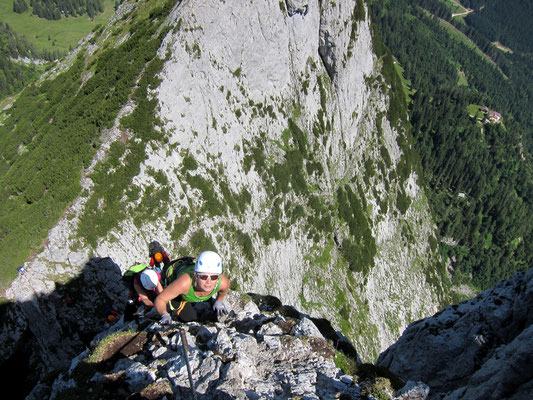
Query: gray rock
483, 345
413, 391
164, 353
508, 371
230, 364
272, 342
297, 7
208, 371
251, 308
244, 345
222, 345
306, 327
270, 329
137, 375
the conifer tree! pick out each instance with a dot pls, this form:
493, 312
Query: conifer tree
20, 6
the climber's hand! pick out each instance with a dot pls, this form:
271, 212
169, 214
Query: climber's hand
220, 308
165, 319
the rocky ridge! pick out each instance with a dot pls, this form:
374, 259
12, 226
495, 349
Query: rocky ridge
261, 350
478, 349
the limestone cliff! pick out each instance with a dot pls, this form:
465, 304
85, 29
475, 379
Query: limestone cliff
277, 141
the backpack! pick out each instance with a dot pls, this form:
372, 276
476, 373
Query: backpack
132, 272
155, 247
170, 272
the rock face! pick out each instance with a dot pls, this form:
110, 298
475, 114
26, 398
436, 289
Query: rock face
250, 354
478, 349
278, 152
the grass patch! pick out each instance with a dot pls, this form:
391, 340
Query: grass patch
62, 35
359, 249
406, 83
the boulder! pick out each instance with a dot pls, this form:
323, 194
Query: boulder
478, 349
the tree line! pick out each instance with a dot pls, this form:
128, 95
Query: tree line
508, 23
14, 74
56, 9
492, 21
20, 6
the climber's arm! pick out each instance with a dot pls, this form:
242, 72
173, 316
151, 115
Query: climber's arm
178, 287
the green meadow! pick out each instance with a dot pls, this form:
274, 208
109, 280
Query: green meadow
62, 35
406, 84
455, 6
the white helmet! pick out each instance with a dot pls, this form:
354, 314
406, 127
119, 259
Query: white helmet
149, 279
209, 262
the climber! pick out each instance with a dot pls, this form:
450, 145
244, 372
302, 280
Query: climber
148, 286
157, 255
196, 283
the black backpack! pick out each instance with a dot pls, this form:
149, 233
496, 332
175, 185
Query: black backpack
170, 272
155, 247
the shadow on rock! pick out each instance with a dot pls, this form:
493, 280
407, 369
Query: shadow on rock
40, 336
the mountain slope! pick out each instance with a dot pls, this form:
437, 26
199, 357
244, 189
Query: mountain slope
272, 132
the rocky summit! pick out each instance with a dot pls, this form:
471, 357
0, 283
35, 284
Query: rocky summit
261, 350
478, 349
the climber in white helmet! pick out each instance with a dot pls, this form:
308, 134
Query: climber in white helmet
148, 286
199, 281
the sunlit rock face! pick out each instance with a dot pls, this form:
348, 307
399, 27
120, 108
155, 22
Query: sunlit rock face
237, 80
278, 153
